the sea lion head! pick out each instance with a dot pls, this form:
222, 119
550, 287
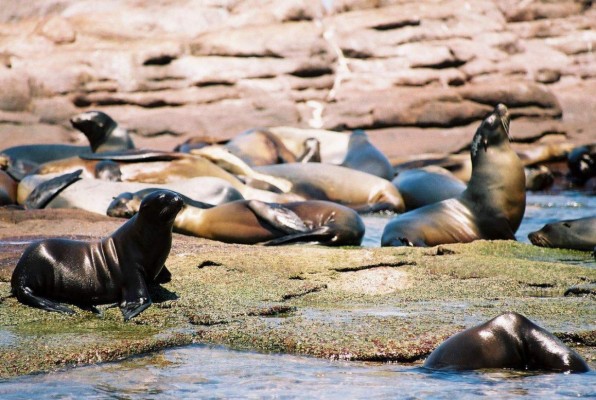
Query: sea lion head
493, 130
108, 170
95, 125
125, 205
161, 206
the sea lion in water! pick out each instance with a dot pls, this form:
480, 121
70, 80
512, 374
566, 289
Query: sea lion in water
253, 221
95, 195
117, 268
355, 189
507, 341
423, 186
363, 156
576, 234
101, 130
491, 207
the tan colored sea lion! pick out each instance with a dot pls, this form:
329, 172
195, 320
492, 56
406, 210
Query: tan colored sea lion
491, 207
355, 189
253, 221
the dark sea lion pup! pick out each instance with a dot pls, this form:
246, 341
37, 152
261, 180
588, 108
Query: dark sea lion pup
507, 341
491, 207
114, 269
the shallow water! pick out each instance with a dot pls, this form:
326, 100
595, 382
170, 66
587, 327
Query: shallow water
215, 372
541, 209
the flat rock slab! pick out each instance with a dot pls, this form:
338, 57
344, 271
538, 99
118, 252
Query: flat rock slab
376, 304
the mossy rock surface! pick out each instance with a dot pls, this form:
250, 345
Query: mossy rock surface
377, 304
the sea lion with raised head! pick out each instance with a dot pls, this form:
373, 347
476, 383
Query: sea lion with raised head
575, 234
101, 130
117, 268
508, 341
253, 221
491, 207
363, 156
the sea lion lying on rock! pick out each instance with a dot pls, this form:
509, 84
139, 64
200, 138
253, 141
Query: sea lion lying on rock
253, 221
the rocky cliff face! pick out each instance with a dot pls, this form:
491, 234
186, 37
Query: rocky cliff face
417, 75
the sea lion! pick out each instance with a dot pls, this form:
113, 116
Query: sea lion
259, 147
582, 164
355, 189
253, 221
491, 207
334, 145
460, 165
117, 268
108, 170
423, 186
507, 341
363, 156
312, 151
102, 131
149, 166
95, 195
8, 189
538, 178
103, 134
575, 234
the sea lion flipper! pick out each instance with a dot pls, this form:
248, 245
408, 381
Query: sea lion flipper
26, 295
46, 191
132, 309
278, 216
135, 295
318, 235
164, 276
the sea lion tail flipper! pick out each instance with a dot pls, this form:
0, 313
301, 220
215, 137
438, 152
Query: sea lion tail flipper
278, 216
319, 235
46, 191
25, 295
